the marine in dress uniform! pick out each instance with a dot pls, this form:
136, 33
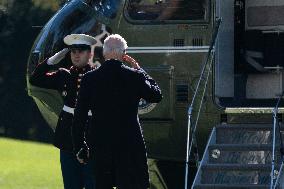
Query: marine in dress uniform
68, 82
116, 143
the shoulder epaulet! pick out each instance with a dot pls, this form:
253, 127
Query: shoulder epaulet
129, 68
90, 71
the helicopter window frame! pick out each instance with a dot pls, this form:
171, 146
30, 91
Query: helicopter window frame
206, 20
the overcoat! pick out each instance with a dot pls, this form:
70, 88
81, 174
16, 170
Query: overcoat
115, 138
67, 83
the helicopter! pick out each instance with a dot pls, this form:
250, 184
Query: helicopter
173, 41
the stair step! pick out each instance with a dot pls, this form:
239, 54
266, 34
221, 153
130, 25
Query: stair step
241, 167
250, 126
231, 186
245, 133
235, 174
240, 157
242, 153
244, 147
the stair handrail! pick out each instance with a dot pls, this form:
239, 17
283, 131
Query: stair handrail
279, 174
275, 123
191, 130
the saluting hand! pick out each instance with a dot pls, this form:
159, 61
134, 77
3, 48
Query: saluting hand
128, 59
55, 59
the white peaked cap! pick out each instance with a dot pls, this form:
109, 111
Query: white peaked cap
79, 39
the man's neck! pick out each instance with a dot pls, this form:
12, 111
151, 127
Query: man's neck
113, 56
80, 66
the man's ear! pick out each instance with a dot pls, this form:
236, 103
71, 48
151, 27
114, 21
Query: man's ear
91, 55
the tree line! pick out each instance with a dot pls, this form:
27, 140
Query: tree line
20, 23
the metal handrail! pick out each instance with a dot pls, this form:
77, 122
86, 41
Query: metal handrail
190, 130
279, 174
273, 182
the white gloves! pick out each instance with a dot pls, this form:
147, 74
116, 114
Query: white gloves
55, 59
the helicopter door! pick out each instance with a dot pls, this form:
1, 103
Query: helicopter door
250, 59
224, 59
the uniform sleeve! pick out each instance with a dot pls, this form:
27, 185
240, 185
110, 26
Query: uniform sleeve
81, 114
42, 77
148, 88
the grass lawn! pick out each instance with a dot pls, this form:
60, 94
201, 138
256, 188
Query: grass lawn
29, 165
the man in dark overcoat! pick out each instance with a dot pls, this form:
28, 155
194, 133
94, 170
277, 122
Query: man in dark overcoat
115, 137
67, 83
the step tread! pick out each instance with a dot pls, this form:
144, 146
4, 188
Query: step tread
261, 126
232, 186
232, 166
243, 147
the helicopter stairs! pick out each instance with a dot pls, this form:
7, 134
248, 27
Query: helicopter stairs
238, 156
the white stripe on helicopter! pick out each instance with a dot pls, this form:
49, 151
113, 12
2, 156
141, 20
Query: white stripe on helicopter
168, 49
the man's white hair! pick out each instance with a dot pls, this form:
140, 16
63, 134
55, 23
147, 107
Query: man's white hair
114, 44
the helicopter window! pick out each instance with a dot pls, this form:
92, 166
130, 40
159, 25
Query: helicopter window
107, 8
161, 10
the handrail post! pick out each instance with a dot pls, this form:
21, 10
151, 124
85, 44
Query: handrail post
189, 114
275, 121
190, 130
275, 110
